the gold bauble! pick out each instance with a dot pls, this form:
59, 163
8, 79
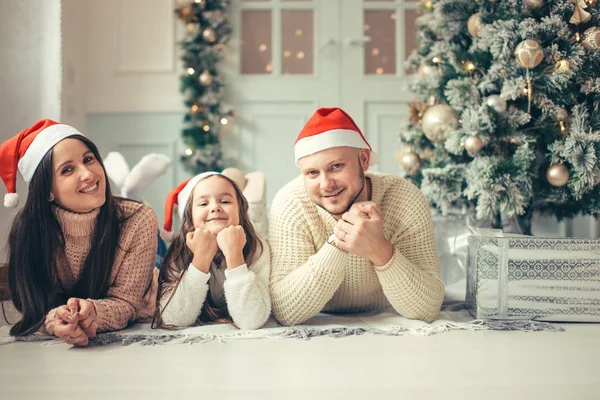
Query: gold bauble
209, 34
533, 4
426, 70
496, 102
591, 38
558, 175
562, 65
439, 121
473, 144
409, 161
205, 78
529, 54
474, 24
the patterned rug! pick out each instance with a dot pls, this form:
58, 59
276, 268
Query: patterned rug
386, 322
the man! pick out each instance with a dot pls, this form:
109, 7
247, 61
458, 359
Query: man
347, 240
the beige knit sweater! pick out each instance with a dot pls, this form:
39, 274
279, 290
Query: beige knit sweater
308, 275
131, 270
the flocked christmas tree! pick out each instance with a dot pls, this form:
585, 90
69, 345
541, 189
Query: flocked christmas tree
207, 32
507, 117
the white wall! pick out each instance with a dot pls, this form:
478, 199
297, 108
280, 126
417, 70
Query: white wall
30, 78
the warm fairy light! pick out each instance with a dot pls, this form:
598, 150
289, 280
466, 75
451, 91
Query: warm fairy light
287, 53
191, 26
189, 152
262, 47
206, 128
470, 66
428, 4
191, 71
379, 71
269, 68
577, 37
195, 108
300, 55
562, 126
366, 27
375, 52
436, 60
224, 121
299, 32
393, 16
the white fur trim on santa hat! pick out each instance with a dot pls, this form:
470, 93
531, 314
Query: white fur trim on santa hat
334, 138
166, 235
11, 200
184, 195
44, 141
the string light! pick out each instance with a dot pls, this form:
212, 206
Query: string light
224, 121
436, 60
189, 152
195, 108
563, 128
262, 47
206, 128
469, 66
191, 71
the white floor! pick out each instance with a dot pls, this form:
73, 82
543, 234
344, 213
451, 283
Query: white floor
453, 365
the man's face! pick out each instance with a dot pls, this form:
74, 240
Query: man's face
335, 178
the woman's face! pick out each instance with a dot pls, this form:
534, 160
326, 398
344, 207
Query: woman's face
78, 179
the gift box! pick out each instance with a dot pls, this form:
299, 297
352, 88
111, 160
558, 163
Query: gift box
531, 278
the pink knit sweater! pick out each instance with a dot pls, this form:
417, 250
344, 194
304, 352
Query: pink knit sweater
131, 270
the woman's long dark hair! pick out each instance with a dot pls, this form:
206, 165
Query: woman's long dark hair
179, 256
36, 245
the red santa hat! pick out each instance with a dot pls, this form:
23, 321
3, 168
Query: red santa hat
179, 197
327, 128
23, 153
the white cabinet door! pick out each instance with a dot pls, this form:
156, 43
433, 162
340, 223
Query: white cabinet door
283, 64
377, 36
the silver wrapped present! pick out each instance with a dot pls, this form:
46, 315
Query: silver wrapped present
545, 279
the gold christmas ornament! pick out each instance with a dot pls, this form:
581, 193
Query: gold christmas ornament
591, 3
533, 4
562, 65
474, 24
558, 175
529, 53
439, 121
591, 38
473, 144
209, 34
408, 160
580, 16
205, 78
426, 70
497, 103
186, 13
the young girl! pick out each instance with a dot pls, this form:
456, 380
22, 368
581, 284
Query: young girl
80, 260
217, 268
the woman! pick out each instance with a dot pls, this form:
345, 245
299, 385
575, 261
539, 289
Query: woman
80, 261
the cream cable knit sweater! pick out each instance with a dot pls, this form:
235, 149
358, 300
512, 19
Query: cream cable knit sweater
308, 275
246, 294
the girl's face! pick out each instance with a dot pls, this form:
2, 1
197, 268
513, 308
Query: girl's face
78, 179
215, 205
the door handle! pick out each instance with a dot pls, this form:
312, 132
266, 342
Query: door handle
328, 42
359, 41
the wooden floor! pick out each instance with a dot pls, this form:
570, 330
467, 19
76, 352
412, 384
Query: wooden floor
453, 365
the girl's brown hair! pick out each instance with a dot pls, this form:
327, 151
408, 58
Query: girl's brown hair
179, 256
